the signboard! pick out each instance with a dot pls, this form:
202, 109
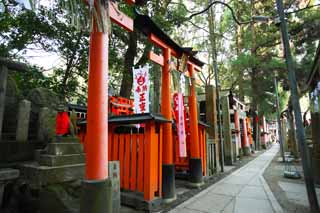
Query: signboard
180, 121
141, 90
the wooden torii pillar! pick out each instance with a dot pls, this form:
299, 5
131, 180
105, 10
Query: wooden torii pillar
97, 187
168, 167
195, 164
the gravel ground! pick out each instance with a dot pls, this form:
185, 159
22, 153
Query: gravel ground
290, 193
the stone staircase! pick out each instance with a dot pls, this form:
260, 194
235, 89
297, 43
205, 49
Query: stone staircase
61, 161
61, 154
57, 175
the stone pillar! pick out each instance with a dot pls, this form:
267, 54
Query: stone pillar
3, 87
23, 120
212, 121
228, 151
46, 125
43, 113
284, 135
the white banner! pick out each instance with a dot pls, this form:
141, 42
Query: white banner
141, 89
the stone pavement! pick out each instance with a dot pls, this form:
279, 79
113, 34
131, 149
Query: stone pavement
243, 191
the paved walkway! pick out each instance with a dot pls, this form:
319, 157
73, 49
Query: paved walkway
243, 191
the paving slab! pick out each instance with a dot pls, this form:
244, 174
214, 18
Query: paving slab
248, 205
237, 180
255, 182
211, 203
185, 210
243, 191
254, 192
226, 189
230, 207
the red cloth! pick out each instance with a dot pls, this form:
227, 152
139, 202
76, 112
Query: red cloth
62, 123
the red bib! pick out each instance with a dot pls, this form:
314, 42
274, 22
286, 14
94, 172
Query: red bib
62, 123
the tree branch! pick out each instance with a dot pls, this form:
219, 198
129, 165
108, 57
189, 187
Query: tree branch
225, 4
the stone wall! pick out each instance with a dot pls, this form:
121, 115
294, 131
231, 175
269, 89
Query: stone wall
44, 102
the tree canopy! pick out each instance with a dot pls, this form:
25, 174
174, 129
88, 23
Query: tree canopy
247, 54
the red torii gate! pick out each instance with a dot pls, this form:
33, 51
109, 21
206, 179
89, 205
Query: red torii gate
97, 186
168, 167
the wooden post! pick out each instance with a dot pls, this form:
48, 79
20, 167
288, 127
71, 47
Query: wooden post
245, 139
228, 152
168, 169
315, 125
3, 87
97, 118
195, 164
211, 118
97, 188
238, 133
150, 162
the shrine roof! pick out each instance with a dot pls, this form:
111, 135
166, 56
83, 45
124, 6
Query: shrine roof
147, 26
133, 119
137, 118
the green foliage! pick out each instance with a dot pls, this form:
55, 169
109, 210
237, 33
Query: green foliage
249, 57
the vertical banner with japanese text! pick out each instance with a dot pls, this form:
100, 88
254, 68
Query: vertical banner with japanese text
180, 121
141, 89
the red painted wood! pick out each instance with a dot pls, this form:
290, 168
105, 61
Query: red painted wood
160, 163
140, 162
110, 145
119, 17
121, 158
133, 177
127, 161
115, 145
158, 59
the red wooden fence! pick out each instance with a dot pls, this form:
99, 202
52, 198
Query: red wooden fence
140, 159
182, 163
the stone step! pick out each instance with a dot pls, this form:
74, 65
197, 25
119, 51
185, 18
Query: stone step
64, 148
56, 160
68, 139
8, 136
8, 174
39, 176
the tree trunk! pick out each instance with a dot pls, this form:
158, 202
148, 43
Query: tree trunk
254, 70
239, 50
127, 79
254, 80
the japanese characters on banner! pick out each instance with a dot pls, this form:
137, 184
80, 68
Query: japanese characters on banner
180, 120
141, 89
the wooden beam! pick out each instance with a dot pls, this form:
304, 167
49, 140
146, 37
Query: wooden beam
197, 68
154, 39
158, 59
119, 17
